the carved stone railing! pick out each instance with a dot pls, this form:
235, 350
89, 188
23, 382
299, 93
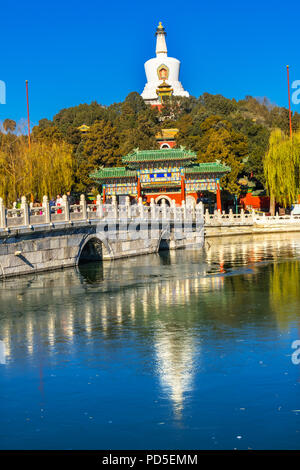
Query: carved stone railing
221, 218
47, 214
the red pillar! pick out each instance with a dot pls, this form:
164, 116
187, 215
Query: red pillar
182, 188
104, 195
28, 120
139, 188
219, 204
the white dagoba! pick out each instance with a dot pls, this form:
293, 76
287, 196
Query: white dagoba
162, 71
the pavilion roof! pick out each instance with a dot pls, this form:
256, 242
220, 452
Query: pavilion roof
116, 172
208, 167
139, 156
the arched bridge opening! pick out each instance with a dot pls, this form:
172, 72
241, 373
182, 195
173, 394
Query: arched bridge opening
91, 252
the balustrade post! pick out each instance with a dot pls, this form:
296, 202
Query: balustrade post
128, 207
141, 207
163, 209
46, 208
183, 209
199, 211
99, 204
66, 207
153, 208
200, 207
242, 215
206, 216
25, 210
231, 216
114, 205
83, 206
173, 210
3, 221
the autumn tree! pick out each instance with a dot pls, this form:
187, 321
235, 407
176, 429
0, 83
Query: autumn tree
45, 169
9, 125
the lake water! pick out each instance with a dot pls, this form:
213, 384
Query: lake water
177, 350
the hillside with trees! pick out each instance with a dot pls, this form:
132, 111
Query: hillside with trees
216, 128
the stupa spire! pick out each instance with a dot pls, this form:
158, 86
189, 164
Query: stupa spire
161, 46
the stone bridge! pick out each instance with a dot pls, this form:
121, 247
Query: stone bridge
44, 238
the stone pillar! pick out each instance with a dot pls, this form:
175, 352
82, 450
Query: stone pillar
3, 222
25, 209
231, 219
201, 207
46, 208
153, 209
199, 211
163, 209
114, 206
206, 216
66, 207
83, 207
99, 204
183, 208
141, 208
128, 207
242, 215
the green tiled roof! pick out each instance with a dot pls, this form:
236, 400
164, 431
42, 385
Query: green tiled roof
209, 167
159, 155
116, 172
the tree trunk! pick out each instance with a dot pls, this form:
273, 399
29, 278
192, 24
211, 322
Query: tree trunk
272, 204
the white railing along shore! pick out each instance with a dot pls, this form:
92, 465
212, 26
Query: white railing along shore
28, 215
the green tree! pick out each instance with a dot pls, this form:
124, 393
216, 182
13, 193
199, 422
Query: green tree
281, 168
100, 147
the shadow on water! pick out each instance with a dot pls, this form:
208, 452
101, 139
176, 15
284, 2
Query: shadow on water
164, 257
92, 272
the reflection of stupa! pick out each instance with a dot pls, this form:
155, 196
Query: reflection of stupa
175, 354
162, 73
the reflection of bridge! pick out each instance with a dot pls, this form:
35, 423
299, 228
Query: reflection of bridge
148, 295
44, 238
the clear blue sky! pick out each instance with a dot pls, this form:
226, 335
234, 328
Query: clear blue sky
80, 51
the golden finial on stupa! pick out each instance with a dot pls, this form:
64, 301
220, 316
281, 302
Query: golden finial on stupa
160, 26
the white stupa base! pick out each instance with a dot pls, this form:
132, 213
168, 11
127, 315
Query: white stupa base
149, 92
171, 68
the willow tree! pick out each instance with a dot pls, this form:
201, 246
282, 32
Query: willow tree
49, 168
281, 168
45, 169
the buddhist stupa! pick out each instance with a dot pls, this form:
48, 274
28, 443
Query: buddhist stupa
162, 73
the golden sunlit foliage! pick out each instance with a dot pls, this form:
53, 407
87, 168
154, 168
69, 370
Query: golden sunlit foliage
45, 169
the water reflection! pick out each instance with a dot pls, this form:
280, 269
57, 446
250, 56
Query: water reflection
167, 302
